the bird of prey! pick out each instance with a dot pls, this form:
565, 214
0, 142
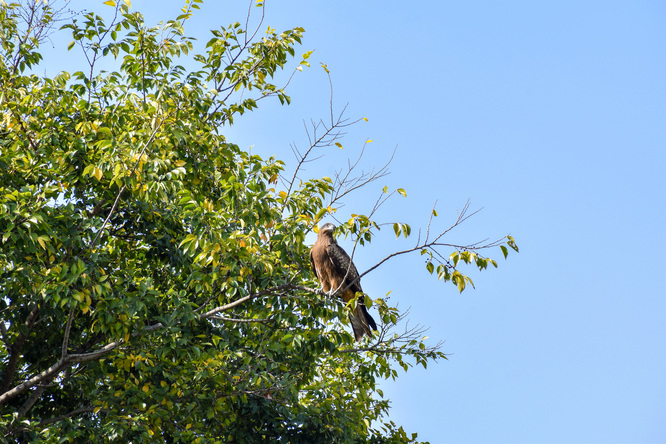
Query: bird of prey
336, 273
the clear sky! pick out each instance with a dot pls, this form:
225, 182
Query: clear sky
552, 117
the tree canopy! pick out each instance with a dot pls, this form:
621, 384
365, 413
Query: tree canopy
154, 277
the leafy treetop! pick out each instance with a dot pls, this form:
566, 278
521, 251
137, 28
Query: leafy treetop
154, 276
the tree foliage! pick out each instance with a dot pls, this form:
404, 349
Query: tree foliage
155, 283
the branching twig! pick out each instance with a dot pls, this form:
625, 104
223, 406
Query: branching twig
385, 343
431, 245
343, 185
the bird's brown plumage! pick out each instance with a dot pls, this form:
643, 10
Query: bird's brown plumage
336, 272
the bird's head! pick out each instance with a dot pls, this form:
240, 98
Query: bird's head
327, 229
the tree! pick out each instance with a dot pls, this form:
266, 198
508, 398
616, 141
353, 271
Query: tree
154, 276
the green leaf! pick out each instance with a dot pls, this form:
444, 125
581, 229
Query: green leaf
505, 251
455, 257
459, 280
512, 243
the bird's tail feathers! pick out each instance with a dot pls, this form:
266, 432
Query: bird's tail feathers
362, 322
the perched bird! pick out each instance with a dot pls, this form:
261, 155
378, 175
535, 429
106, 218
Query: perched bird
336, 271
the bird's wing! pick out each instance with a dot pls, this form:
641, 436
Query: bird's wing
312, 263
344, 266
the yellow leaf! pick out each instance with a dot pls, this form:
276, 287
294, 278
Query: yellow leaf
180, 163
369, 141
146, 388
283, 194
128, 3
98, 173
41, 242
110, 3
365, 118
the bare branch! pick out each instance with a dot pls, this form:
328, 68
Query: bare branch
68, 327
344, 185
32, 399
432, 246
241, 321
79, 411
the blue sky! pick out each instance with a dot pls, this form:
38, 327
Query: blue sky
552, 117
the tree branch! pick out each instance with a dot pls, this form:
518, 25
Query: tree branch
32, 399
80, 410
68, 326
69, 359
